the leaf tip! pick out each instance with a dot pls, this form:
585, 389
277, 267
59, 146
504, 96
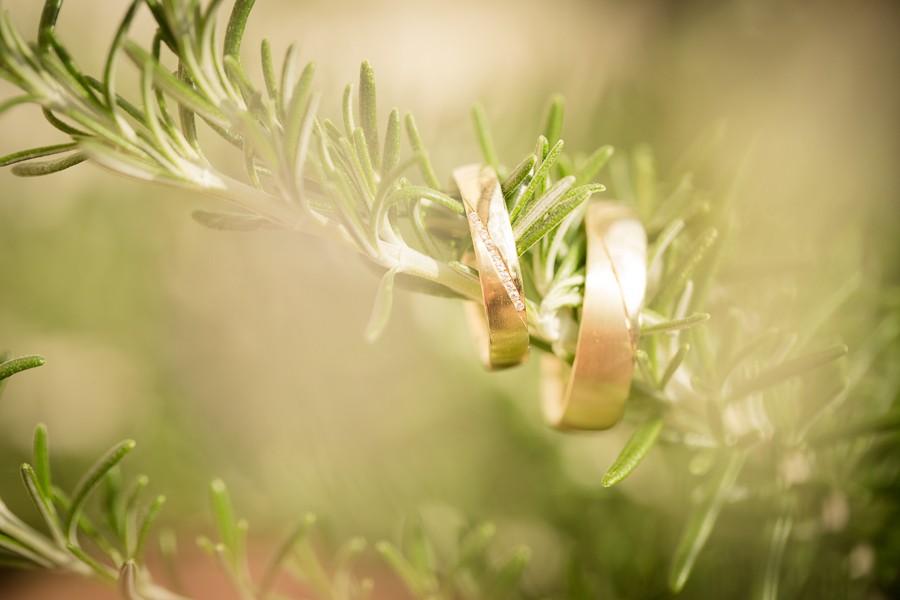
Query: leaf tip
382, 547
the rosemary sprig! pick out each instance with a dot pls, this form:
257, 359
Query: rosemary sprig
707, 382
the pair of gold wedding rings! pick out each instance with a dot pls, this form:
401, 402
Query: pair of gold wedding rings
590, 394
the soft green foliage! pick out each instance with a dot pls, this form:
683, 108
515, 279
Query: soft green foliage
110, 549
471, 573
116, 541
721, 390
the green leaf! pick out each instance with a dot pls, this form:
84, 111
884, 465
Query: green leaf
188, 120
518, 176
109, 80
17, 365
43, 503
146, 523
225, 520
48, 167
41, 458
61, 125
232, 221
473, 548
675, 282
122, 507
415, 141
553, 121
208, 546
423, 232
347, 110
5, 105
168, 551
594, 163
552, 215
180, 90
17, 548
391, 144
113, 508
311, 567
539, 207
663, 241
159, 15
23, 155
49, 15
646, 368
778, 540
268, 69
416, 546
634, 451
415, 192
297, 118
85, 526
284, 550
506, 578
645, 179
12, 563
368, 113
536, 184
391, 180
702, 521
365, 165
675, 324
673, 365
485, 139
90, 481
103, 571
234, 31
238, 78
418, 583
789, 369
381, 311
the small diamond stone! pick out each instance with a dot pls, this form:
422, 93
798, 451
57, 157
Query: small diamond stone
514, 295
520, 305
510, 287
474, 218
504, 276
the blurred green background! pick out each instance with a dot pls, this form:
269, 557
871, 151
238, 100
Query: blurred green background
242, 355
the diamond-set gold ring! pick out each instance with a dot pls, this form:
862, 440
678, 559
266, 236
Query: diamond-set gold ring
502, 329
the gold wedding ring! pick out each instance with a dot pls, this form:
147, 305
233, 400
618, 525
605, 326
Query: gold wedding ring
591, 393
502, 329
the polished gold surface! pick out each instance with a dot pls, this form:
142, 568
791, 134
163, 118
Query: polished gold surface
500, 326
591, 393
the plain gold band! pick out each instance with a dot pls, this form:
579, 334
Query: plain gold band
591, 394
502, 331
